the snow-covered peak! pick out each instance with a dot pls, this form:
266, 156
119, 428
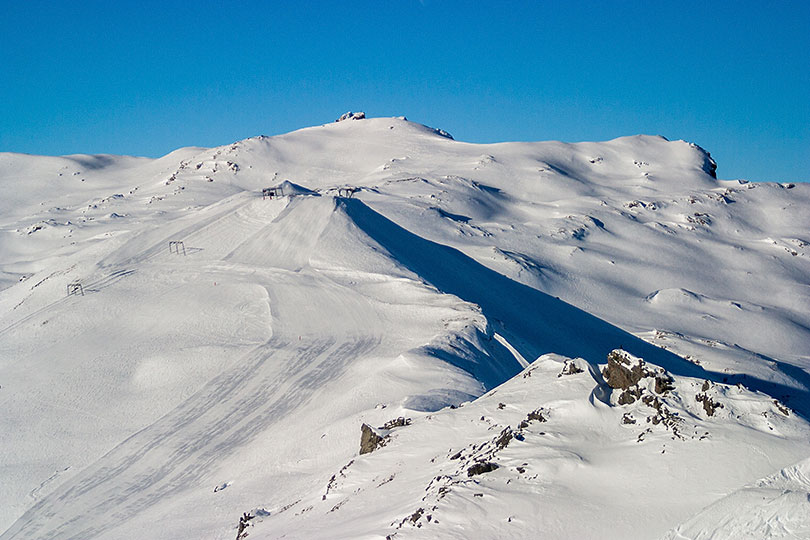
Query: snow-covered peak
595, 328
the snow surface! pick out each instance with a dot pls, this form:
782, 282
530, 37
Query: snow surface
467, 288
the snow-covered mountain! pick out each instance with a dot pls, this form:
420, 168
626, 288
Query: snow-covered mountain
543, 340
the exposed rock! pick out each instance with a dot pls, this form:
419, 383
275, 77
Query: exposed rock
536, 415
504, 438
333, 482
617, 373
481, 468
782, 409
663, 384
397, 422
630, 395
709, 405
369, 440
625, 372
351, 116
243, 523
443, 133
570, 368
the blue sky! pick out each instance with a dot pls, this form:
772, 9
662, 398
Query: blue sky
144, 78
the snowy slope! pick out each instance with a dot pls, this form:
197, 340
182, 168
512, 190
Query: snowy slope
774, 507
567, 464
183, 389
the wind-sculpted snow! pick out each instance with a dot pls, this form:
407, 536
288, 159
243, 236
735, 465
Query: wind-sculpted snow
774, 507
224, 348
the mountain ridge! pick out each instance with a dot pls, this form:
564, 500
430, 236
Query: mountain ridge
411, 275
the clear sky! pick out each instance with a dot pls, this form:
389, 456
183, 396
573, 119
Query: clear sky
146, 77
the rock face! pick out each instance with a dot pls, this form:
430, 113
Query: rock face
351, 116
369, 440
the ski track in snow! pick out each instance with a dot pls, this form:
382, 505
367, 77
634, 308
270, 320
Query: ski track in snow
271, 383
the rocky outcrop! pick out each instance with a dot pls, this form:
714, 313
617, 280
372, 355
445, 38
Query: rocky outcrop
244, 521
624, 372
481, 468
351, 116
369, 440
621, 372
570, 368
396, 422
709, 405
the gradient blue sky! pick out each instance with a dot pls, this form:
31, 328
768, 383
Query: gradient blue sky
147, 77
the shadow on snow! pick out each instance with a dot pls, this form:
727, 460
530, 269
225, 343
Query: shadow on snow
536, 323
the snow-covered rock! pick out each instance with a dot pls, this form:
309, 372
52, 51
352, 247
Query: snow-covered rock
351, 116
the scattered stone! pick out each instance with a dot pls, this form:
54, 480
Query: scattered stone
642, 434
628, 419
338, 505
333, 481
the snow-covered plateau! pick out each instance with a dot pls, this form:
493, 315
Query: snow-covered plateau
531, 340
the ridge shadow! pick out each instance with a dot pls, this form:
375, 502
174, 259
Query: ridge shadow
536, 323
